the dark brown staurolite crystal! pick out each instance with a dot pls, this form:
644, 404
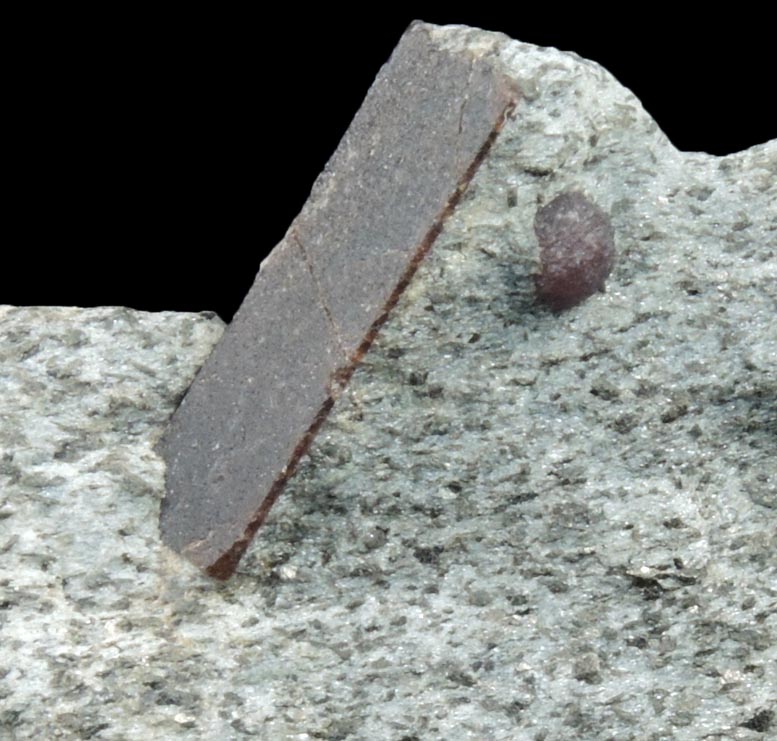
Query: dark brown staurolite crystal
323, 293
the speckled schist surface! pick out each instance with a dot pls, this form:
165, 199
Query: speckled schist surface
515, 524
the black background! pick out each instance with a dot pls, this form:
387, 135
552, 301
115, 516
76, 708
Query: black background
153, 160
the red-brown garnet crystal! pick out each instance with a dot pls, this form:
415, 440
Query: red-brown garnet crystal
577, 250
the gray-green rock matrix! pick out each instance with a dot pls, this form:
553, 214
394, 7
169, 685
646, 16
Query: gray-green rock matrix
514, 524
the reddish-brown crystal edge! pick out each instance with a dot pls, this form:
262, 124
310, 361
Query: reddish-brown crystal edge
225, 566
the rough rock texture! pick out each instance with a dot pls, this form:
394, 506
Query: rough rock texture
514, 525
